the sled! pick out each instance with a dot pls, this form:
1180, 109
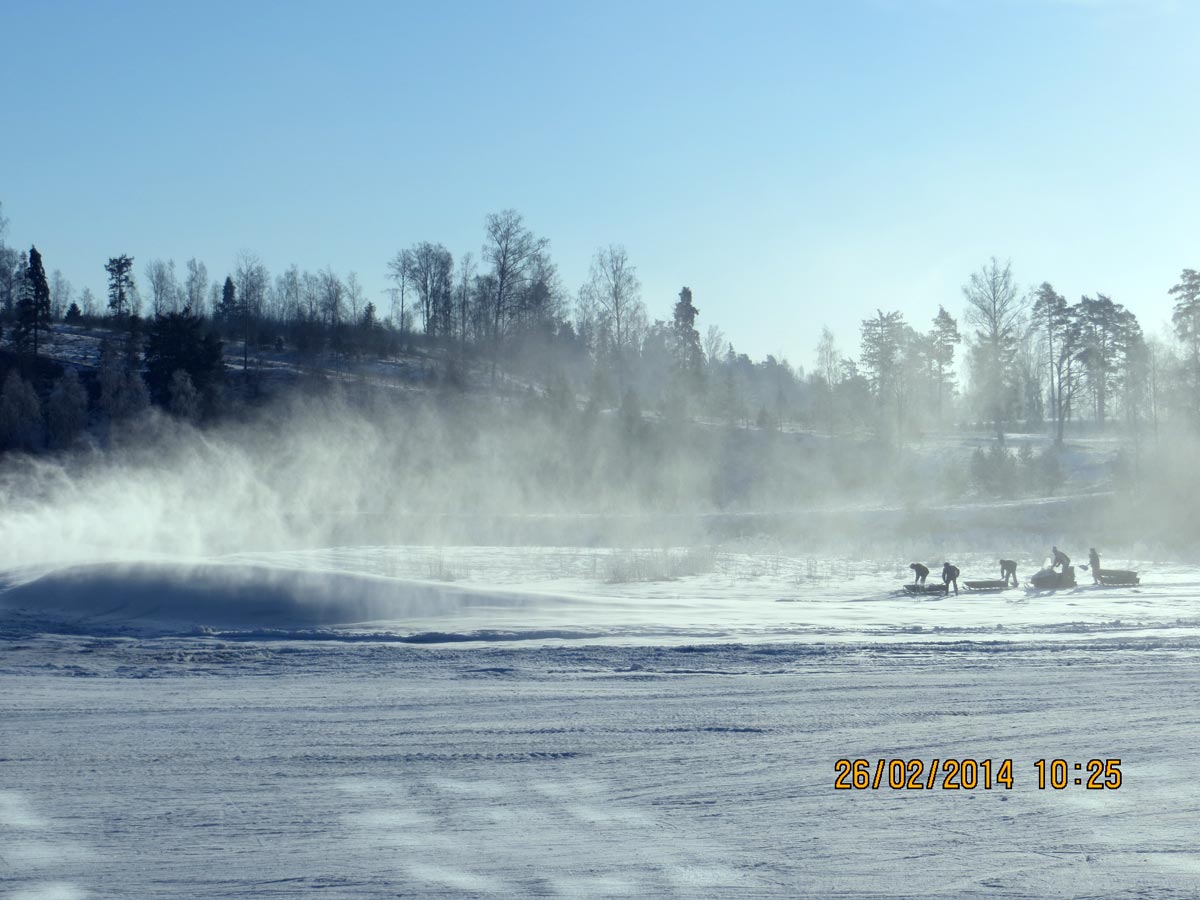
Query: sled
922, 589
987, 586
1118, 577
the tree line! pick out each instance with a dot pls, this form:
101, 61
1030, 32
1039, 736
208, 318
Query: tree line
1034, 362
1031, 361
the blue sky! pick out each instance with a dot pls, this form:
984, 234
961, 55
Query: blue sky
796, 164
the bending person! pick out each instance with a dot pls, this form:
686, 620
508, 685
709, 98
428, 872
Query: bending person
920, 572
1008, 569
950, 576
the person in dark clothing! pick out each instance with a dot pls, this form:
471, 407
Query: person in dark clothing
1060, 559
1094, 564
1008, 569
950, 576
920, 571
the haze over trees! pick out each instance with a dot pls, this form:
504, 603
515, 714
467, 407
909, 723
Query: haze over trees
501, 321
995, 309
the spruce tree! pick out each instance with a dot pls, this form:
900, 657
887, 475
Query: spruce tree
882, 343
227, 309
33, 309
178, 342
40, 294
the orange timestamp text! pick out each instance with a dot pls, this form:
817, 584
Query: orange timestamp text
971, 774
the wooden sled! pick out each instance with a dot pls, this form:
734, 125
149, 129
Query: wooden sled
919, 590
991, 585
1118, 577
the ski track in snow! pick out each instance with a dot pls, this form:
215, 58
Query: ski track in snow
530, 730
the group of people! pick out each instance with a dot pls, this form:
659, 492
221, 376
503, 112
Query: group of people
949, 575
1060, 561
1008, 569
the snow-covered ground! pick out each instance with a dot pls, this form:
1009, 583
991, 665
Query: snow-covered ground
81, 346
456, 594
555, 722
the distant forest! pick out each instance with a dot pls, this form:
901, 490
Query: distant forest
194, 343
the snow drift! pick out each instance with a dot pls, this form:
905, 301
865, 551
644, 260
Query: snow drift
174, 596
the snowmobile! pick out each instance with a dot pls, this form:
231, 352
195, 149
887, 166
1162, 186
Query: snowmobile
1049, 579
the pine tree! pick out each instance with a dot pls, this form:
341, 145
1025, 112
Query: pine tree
941, 353
1106, 331
689, 356
120, 285
1186, 319
1054, 321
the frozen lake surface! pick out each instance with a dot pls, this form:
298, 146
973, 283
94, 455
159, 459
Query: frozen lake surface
456, 594
350, 721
